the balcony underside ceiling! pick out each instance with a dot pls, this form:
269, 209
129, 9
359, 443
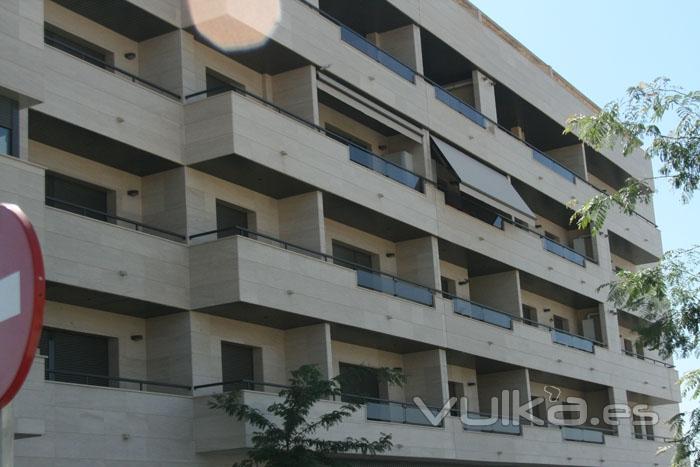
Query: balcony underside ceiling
555, 292
628, 250
363, 218
121, 16
85, 143
476, 263
87, 298
376, 340
564, 382
263, 316
365, 16
244, 172
269, 58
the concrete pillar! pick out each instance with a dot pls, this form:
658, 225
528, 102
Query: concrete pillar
295, 91
403, 44
418, 261
309, 345
426, 377
619, 396
490, 385
484, 94
23, 131
500, 291
7, 437
169, 349
609, 327
161, 61
301, 221
572, 157
163, 202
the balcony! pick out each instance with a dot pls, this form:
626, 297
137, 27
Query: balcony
563, 251
553, 166
103, 257
459, 106
585, 434
482, 313
572, 340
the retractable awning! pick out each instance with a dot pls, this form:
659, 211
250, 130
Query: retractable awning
482, 178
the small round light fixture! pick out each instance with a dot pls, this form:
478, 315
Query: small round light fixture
130, 55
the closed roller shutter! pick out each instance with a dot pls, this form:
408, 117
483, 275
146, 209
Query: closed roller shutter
237, 365
70, 352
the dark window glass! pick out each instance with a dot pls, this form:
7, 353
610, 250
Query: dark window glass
456, 390
561, 324
351, 257
529, 315
75, 46
8, 122
228, 217
358, 381
236, 366
629, 349
639, 348
76, 196
217, 84
448, 287
75, 357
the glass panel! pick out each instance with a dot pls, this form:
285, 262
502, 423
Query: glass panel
375, 281
376, 163
379, 411
553, 166
459, 106
366, 47
502, 426
569, 340
5, 141
415, 293
481, 313
564, 252
583, 435
396, 66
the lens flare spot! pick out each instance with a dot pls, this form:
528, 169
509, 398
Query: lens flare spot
233, 25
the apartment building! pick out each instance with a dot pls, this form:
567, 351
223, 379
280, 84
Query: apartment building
381, 183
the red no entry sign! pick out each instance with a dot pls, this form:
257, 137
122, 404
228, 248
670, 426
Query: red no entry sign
22, 296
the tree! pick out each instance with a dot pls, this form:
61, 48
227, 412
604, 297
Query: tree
666, 294
286, 437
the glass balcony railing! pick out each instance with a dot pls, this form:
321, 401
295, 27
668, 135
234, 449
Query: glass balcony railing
553, 166
391, 285
479, 312
462, 107
583, 434
563, 251
570, 340
366, 47
397, 412
386, 168
494, 425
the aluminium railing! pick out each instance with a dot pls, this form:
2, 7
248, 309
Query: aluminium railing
648, 359
106, 217
89, 379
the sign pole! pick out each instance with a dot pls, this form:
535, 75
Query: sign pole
7, 437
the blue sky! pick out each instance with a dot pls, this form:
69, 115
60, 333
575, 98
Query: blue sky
602, 47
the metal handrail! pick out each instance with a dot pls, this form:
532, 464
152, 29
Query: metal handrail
341, 262
117, 379
85, 210
80, 54
301, 120
506, 130
644, 357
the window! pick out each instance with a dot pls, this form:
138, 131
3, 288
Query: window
540, 410
476, 208
529, 315
639, 348
79, 197
218, 83
628, 346
359, 381
456, 390
448, 287
228, 217
76, 46
561, 324
642, 426
335, 131
79, 358
351, 257
237, 366
551, 236
9, 121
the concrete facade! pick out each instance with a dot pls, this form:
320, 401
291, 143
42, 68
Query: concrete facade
353, 250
